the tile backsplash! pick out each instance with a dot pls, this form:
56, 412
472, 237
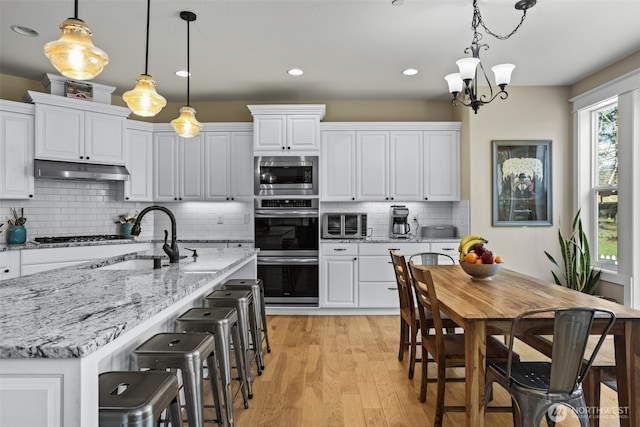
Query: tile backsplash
63, 208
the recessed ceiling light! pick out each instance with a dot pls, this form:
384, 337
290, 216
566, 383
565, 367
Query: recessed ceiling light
25, 31
183, 73
295, 72
397, 2
409, 72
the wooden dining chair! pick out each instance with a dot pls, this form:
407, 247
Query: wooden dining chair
409, 317
447, 350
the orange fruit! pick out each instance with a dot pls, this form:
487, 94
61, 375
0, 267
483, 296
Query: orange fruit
478, 261
498, 259
471, 257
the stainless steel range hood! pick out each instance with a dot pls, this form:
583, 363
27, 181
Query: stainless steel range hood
67, 170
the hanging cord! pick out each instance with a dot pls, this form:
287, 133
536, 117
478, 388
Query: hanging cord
477, 20
75, 10
146, 52
188, 68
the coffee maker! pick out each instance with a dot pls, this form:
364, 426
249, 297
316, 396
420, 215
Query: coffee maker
399, 226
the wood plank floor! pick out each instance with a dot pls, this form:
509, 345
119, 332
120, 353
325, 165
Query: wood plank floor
343, 371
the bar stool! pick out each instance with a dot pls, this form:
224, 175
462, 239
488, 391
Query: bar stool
257, 287
186, 352
248, 324
222, 322
137, 399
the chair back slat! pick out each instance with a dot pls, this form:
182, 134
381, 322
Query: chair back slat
428, 300
405, 292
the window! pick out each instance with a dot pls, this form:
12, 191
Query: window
605, 184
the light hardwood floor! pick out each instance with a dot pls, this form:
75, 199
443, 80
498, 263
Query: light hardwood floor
327, 371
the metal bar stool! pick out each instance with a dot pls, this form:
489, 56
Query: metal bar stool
186, 352
222, 322
257, 287
248, 324
137, 399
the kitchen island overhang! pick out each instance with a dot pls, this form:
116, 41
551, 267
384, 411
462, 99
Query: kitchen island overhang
61, 328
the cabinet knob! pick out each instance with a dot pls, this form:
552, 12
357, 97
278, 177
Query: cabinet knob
31, 195
179, 198
82, 157
288, 148
353, 198
175, 198
386, 198
6, 270
426, 198
283, 148
232, 198
88, 157
355, 259
126, 198
392, 198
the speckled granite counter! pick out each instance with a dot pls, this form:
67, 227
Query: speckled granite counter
59, 329
34, 245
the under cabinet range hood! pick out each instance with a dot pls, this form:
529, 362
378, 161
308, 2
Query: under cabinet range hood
67, 170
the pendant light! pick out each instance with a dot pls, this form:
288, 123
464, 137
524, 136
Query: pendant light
143, 100
186, 125
74, 54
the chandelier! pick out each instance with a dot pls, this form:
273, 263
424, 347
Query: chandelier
464, 84
143, 100
74, 54
186, 125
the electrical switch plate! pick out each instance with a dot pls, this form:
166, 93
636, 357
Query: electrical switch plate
220, 219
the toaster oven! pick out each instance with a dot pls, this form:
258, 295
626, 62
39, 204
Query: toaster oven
344, 226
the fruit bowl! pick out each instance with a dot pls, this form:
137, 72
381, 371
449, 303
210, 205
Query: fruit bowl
480, 271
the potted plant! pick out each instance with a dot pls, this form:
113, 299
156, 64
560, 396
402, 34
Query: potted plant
126, 222
577, 271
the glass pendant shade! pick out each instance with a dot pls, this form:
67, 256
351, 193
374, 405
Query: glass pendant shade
455, 82
186, 125
467, 67
502, 73
143, 100
74, 54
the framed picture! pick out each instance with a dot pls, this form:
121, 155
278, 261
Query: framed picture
522, 183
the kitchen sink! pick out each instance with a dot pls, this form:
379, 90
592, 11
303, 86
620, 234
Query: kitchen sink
131, 264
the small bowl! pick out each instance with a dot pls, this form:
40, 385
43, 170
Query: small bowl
481, 271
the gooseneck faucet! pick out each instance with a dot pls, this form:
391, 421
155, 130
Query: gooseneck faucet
172, 251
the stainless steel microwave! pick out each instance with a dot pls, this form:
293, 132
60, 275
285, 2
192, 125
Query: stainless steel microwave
344, 226
286, 176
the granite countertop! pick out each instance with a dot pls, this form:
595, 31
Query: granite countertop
33, 245
70, 312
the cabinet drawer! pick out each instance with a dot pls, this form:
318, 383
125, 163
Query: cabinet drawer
449, 248
378, 295
376, 269
404, 248
339, 249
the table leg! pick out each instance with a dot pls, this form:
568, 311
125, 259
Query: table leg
475, 359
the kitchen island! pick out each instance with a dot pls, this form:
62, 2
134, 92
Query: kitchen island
59, 329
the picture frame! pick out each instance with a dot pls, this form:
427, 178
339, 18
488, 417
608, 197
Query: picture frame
522, 183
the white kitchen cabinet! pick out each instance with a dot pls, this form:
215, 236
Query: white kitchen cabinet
448, 248
177, 167
339, 275
9, 264
16, 150
78, 131
338, 161
389, 165
139, 161
286, 129
441, 166
228, 165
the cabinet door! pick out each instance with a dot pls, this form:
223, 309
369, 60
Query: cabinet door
372, 166
339, 281
9, 264
191, 168
59, 133
338, 166
139, 162
241, 173
165, 166
442, 166
16, 155
405, 166
217, 153
104, 142
270, 132
303, 132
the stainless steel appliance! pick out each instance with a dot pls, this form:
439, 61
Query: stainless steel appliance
287, 234
399, 227
344, 226
286, 176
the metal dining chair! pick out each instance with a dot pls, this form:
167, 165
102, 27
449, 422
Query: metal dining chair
543, 389
431, 258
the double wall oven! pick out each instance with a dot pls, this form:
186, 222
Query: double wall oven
287, 233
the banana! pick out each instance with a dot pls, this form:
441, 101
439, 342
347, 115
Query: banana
470, 244
468, 237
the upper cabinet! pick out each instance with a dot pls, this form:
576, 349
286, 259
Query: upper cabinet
286, 129
16, 150
138, 142
390, 161
228, 165
177, 167
78, 131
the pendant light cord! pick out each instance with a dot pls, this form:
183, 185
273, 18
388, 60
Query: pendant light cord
75, 10
146, 52
188, 68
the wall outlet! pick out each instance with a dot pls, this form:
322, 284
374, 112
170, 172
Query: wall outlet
245, 218
220, 219
415, 219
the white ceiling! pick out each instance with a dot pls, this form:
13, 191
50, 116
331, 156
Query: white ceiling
349, 49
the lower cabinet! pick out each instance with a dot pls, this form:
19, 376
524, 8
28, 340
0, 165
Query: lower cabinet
339, 275
9, 264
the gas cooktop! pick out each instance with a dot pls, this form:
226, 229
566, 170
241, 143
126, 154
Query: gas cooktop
73, 239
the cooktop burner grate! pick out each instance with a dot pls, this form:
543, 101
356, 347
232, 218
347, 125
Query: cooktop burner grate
74, 239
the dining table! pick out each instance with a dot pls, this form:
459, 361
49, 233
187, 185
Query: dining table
488, 307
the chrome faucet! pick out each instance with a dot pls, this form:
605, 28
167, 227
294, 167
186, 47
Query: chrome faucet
172, 251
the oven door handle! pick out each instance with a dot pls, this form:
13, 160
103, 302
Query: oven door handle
265, 213
287, 260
